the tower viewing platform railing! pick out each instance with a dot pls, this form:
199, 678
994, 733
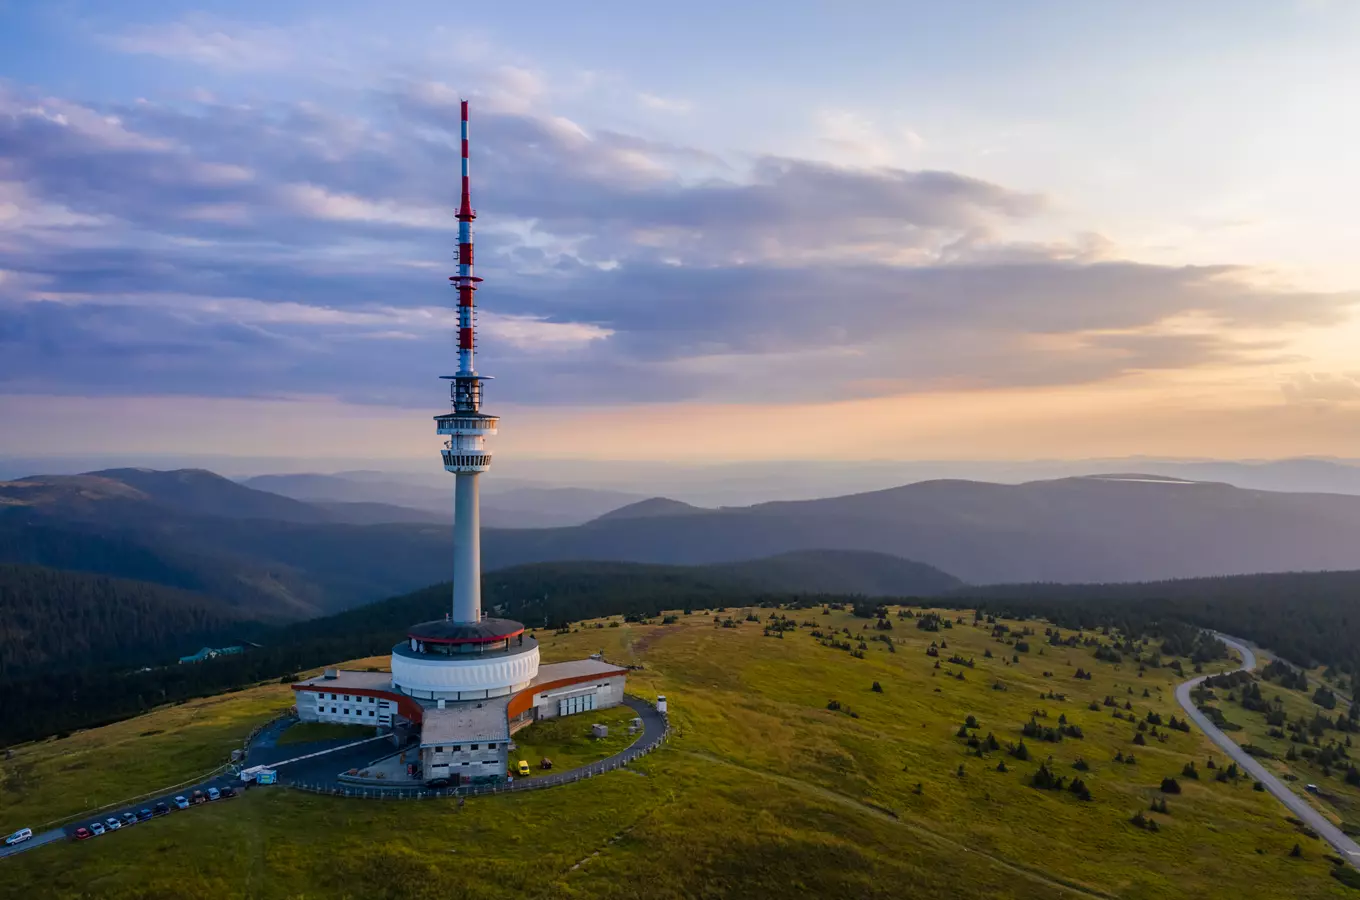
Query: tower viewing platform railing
462, 423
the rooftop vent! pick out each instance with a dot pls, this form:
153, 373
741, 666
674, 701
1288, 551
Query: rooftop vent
331, 674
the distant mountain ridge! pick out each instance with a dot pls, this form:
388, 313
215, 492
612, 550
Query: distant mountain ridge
841, 572
198, 532
653, 506
1073, 529
504, 504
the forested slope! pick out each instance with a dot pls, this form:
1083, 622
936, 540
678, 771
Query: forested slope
52, 620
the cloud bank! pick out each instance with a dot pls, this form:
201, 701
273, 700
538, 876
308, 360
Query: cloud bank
283, 248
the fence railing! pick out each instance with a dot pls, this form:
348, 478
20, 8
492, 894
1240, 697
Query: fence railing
617, 761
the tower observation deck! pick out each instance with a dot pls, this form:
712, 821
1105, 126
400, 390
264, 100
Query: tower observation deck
465, 425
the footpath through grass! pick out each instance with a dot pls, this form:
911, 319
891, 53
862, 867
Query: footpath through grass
768, 787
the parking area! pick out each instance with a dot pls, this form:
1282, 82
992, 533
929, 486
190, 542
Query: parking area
317, 766
146, 810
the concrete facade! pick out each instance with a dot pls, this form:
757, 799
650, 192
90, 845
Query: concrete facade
464, 741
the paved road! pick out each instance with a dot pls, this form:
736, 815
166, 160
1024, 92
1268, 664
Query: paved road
37, 840
269, 735
322, 768
1297, 805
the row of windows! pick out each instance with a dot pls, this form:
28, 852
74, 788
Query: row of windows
480, 459
357, 712
357, 699
454, 748
572, 705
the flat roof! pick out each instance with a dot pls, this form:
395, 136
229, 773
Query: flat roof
444, 631
459, 723
576, 668
346, 678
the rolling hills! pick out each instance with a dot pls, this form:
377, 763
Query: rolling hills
1096, 529
275, 557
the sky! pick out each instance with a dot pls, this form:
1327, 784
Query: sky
709, 232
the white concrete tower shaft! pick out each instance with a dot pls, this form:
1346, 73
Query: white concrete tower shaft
465, 453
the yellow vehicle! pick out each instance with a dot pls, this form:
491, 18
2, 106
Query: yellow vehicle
523, 767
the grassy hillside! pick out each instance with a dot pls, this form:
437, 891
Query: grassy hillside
764, 790
36, 703
1310, 618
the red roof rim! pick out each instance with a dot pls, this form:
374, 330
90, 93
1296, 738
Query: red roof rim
477, 640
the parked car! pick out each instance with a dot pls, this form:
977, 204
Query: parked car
197, 797
438, 783
181, 803
1311, 788
228, 792
214, 794
83, 833
23, 834
112, 824
129, 818
96, 828
160, 809
545, 763
143, 815
523, 767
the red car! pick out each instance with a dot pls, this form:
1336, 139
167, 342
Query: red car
83, 833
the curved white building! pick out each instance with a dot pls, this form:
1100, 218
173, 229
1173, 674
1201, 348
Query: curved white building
462, 661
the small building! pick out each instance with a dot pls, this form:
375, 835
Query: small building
465, 742
211, 653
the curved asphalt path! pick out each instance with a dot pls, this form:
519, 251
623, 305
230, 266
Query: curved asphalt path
322, 773
1347, 848
336, 756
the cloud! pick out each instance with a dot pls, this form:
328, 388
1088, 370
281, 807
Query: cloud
1321, 389
217, 44
664, 104
257, 250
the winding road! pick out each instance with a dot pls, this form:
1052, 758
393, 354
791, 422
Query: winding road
1347, 848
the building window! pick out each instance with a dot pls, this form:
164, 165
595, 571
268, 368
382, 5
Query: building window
332, 710
472, 746
372, 713
438, 749
571, 705
347, 698
333, 697
455, 748
346, 710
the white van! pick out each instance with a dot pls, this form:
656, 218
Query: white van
19, 837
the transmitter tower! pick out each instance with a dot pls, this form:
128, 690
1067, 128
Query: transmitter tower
465, 425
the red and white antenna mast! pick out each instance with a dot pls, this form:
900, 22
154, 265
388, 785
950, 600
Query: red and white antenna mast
465, 453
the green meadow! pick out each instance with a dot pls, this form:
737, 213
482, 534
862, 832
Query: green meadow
786, 773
